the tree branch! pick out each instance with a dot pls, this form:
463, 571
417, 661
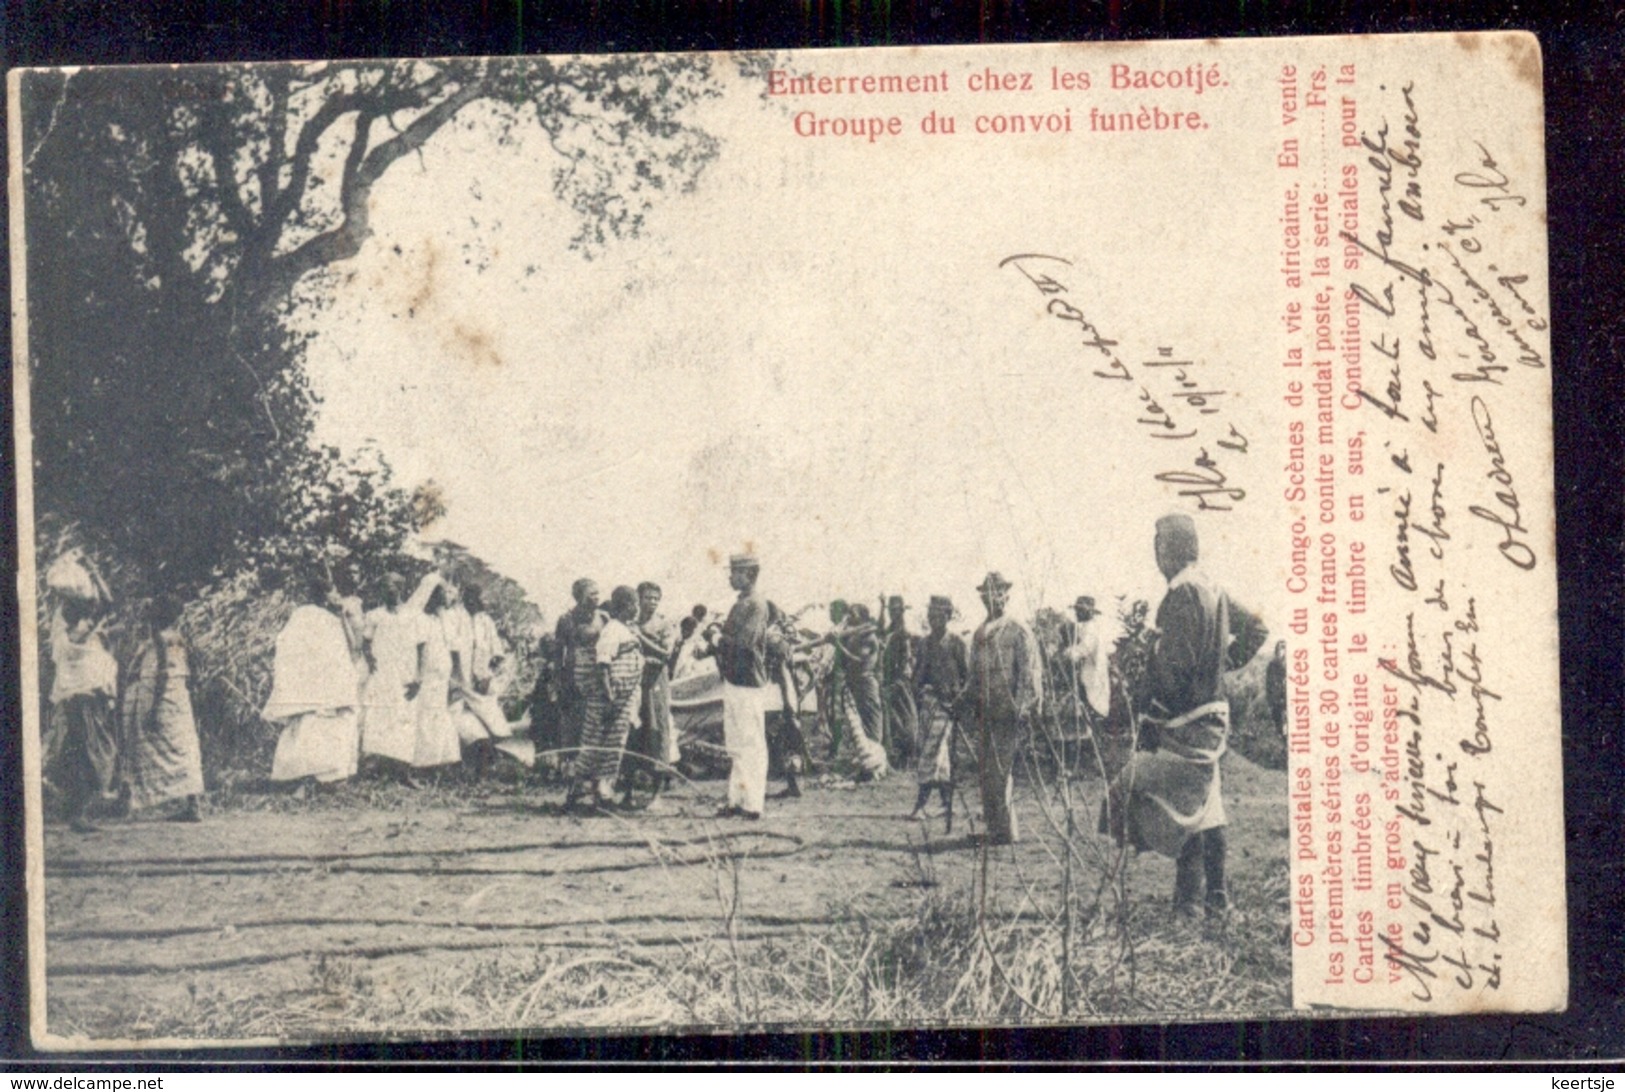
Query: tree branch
211, 139
363, 168
276, 139
288, 198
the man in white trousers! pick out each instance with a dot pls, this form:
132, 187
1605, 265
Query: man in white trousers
741, 650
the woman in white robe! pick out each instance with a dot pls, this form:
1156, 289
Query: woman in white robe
315, 697
395, 636
436, 743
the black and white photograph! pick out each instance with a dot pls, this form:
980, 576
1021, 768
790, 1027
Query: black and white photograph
719, 542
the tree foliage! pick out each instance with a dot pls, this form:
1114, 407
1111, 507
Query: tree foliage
176, 221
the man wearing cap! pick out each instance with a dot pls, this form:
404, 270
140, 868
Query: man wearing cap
1092, 681
741, 651
1001, 700
897, 684
1175, 806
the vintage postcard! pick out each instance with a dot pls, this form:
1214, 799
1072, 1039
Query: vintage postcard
984, 536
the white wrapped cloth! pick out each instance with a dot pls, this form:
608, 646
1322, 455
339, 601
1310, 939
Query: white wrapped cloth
313, 672
314, 692
437, 742
72, 575
80, 659
1089, 662
389, 726
744, 733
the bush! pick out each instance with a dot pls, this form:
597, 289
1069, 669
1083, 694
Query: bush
231, 630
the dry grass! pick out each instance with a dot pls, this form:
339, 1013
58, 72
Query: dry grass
956, 959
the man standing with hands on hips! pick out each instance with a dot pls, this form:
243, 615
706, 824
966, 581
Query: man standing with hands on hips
741, 650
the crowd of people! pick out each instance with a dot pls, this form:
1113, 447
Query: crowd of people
412, 684
913, 695
415, 683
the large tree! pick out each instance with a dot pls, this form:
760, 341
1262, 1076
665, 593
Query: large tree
174, 221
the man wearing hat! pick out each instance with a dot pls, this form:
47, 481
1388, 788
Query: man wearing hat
1001, 700
742, 650
1093, 684
1175, 806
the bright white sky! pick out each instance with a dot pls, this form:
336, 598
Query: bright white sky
814, 354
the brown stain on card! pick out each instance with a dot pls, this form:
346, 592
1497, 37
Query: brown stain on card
424, 291
1523, 51
424, 301
474, 345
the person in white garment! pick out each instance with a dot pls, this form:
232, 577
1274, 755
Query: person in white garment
1087, 658
459, 630
476, 705
741, 652
80, 759
395, 638
436, 743
314, 693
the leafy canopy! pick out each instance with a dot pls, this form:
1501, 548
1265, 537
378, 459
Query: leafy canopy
175, 222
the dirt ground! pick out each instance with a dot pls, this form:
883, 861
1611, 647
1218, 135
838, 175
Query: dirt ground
183, 931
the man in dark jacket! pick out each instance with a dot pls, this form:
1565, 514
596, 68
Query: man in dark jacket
1176, 806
